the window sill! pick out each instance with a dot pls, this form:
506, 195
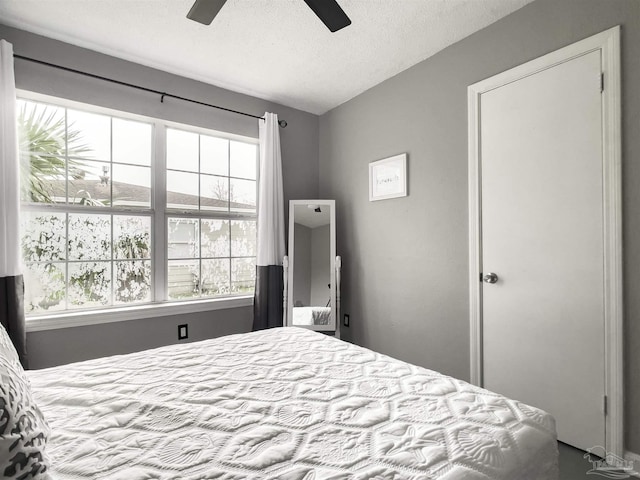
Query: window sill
95, 317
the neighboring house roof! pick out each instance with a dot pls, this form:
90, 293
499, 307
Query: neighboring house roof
126, 192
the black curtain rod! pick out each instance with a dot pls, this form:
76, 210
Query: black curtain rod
282, 123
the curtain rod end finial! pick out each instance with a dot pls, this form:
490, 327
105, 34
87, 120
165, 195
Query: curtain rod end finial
282, 123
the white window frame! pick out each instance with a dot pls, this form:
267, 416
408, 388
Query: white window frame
159, 305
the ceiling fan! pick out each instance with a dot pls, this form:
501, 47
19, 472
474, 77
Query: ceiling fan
204, 11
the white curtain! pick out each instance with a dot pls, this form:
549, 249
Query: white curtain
9, 167
267, 307
270, 195
11, 281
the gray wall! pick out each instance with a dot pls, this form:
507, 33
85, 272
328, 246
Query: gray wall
299, 143
65, 345
406, 260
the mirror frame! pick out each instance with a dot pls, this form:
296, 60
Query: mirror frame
332, 326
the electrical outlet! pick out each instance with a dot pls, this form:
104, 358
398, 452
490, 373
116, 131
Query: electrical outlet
183, 331
345, 320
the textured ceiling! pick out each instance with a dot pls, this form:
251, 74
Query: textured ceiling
273, 49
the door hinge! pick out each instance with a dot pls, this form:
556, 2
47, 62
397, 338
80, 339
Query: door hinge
605, 405
602, 82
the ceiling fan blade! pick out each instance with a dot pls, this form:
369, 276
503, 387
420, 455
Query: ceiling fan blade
204, 11
330, 13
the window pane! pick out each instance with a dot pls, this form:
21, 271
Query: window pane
243, 158
89, 237
41, 128
184, 279
243, 275
92, 131
243, 196
215, 238
44, 287
182, 190
131, 186
214, 155
44, 181
214, 192
131, 142
133, 281
243, 238
182, 150
43, 236
89, 284
89, 183
131, 237
183, 238
42, 146
215, 277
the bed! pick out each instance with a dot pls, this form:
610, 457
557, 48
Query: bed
285, 403
311, 315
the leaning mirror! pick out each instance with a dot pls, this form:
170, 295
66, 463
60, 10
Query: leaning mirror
311, 282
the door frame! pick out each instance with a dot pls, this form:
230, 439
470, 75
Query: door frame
608, 43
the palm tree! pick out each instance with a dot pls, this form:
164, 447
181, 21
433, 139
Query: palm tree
45, 143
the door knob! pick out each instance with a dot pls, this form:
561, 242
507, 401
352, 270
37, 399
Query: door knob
490, 278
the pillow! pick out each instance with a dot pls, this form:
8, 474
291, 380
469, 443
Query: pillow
7, 350
23, 429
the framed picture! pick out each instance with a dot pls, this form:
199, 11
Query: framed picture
388, 178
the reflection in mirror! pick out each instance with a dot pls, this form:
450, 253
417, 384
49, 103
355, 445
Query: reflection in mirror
311, 273
311, 296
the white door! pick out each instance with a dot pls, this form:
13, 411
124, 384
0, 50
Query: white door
541, 165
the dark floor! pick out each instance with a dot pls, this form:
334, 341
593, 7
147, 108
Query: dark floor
573, 465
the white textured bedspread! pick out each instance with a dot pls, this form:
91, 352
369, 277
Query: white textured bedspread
286, 404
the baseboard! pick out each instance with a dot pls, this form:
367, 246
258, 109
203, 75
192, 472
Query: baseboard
635, 458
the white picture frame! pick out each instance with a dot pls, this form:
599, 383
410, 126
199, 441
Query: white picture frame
388, 178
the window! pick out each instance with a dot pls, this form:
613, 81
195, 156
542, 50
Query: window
211, 210
110, 218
